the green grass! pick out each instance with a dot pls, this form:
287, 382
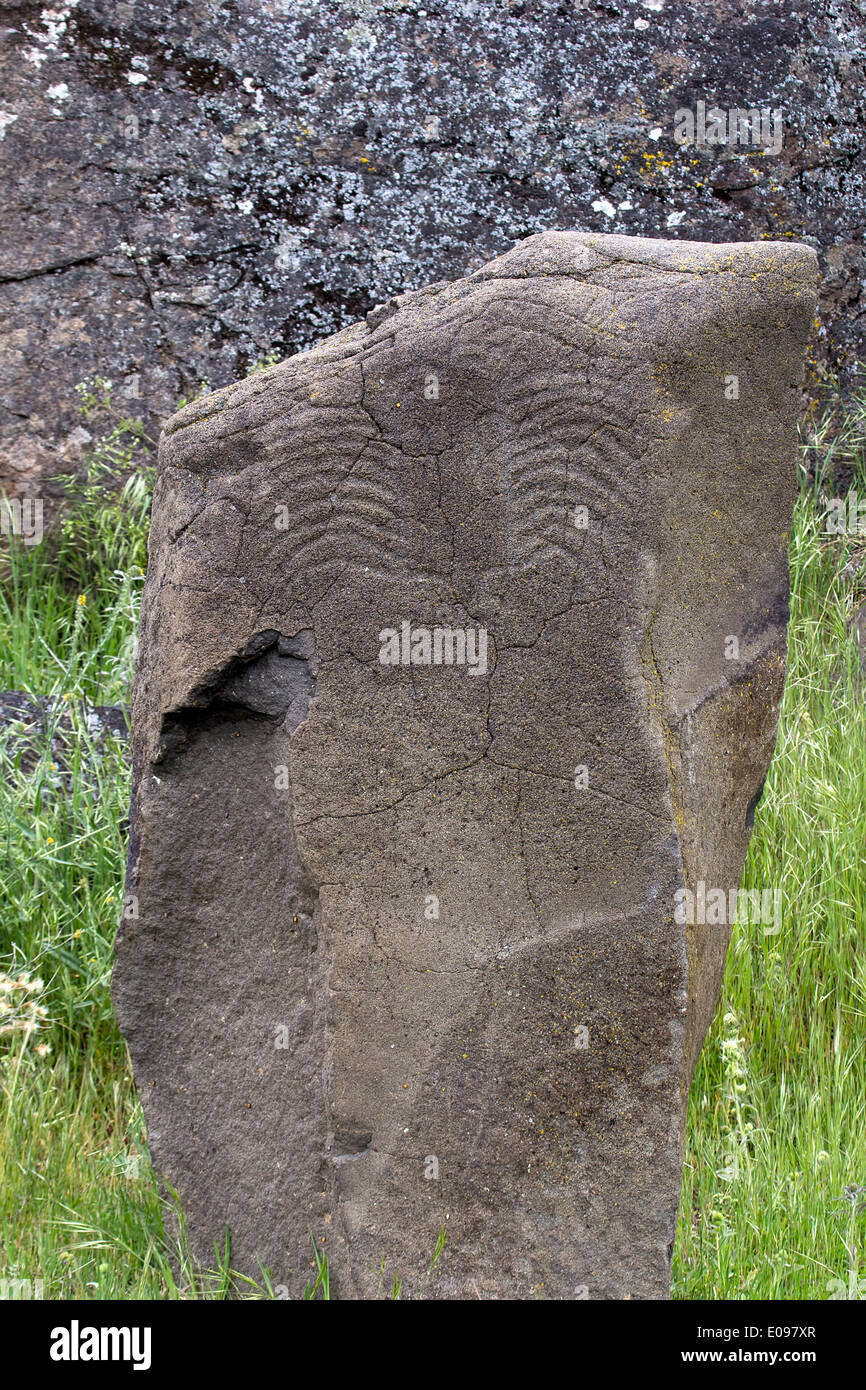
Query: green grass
777, 1140
777, 1112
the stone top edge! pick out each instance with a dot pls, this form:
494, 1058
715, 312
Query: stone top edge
600, 259
578, 253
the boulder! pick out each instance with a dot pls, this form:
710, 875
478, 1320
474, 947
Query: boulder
188, 188
460, 662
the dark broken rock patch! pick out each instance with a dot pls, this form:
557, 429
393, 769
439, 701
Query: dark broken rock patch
27, 721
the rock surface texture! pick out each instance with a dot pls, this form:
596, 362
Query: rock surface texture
187, 186
407, 956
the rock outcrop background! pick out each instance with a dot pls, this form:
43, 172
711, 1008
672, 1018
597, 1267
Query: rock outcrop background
187, 188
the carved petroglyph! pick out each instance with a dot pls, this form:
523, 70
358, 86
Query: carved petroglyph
542, 453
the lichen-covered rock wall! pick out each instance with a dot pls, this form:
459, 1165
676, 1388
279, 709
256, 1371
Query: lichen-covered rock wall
190, 187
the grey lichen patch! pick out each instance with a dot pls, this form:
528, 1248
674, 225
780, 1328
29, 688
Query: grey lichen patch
219, 188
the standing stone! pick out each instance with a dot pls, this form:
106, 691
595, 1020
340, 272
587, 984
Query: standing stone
409, 958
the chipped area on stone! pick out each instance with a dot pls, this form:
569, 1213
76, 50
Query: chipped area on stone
398, 966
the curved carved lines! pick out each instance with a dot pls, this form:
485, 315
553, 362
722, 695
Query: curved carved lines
345, 506
563, 453
555, 450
